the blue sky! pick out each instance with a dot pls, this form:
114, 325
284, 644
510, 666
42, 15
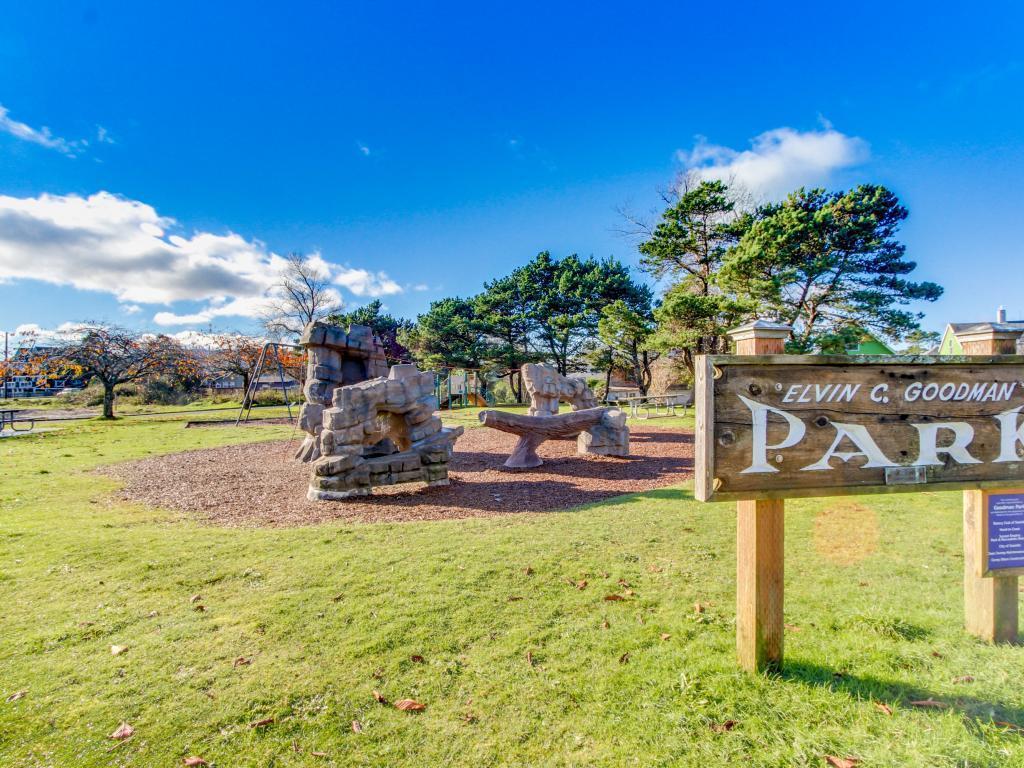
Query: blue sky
154, 159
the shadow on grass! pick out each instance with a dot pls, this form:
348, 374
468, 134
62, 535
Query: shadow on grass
976, 712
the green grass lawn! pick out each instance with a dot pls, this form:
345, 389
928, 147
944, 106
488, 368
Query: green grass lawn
483, 622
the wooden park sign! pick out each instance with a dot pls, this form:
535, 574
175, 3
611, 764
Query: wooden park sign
784, 426
772, 426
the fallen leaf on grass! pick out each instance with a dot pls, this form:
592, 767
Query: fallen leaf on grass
654, 568
624, 658
357, 727
613, 598
1011, 726
242, 661
964, 679
604, 624
124, 731
152, 615
792, 627
469, 718
514, 598
665, 635
318, 754
416, 658
528, 571
337, 598
410, 705
529, 658
623, 583
698, 608
728, 725
937, 655
842, 762
194, 761
379, 697
117, 650
378, 673
16, 695
264, 722
581, 584
883, 708
930, 704
195, 598
199, 608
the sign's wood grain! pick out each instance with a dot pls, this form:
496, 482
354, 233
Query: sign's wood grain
788, 426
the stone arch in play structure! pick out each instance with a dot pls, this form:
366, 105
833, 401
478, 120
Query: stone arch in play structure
373, 432
598, 430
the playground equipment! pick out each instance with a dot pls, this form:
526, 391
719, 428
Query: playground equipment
597, 430
461, 388
262, 361
334, 358
381, 432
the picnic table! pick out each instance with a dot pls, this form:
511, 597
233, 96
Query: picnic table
7, 419
662, 405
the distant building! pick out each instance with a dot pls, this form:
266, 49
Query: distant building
955, 333
21, 381
869, 344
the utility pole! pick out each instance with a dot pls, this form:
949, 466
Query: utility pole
6, 366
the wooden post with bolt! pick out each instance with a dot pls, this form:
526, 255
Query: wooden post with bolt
990, 603
760, 536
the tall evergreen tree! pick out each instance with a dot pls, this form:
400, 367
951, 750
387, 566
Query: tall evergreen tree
688, 247
448, 335
826, 262
505, 308
385, 326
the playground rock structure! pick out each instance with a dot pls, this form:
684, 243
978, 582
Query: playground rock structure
335, 358
381, 432
597, 430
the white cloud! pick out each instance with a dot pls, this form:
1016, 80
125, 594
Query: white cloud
779, 160
122, 247
364, 283
41, 136
365, 150
421, 287
103, 135
28, 333
131, 309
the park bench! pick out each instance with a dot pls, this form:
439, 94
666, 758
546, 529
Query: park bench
7, 419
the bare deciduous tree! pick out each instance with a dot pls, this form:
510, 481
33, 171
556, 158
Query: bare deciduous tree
302, 295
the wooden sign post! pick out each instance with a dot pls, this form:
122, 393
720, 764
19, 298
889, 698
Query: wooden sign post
772, 426
990, 601
760, 540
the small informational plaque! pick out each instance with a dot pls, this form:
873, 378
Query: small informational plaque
1005, 531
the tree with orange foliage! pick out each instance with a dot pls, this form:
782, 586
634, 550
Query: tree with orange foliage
236, 355
113, 355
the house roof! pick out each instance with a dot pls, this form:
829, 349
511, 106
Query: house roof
1009, 325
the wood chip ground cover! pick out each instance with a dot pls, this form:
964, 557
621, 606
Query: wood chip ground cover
259, 484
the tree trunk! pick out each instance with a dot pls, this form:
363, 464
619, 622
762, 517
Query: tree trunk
608, 382
245, 390
108, 401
